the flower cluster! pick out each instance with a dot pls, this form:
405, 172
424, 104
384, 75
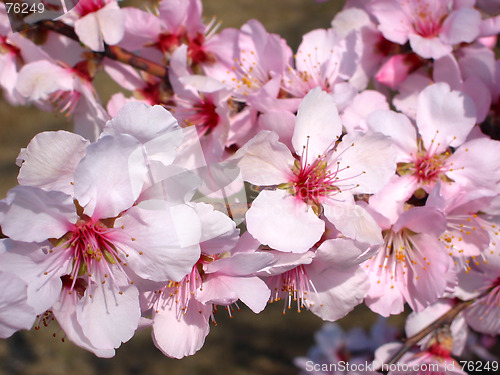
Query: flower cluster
369, 159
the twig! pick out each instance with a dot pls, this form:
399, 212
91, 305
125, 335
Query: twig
443, 320
113, 52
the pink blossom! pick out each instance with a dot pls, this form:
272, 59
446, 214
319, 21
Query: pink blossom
431, 27
323, 177
435, 360
444, 120
482, 283
410, 265
224, 273
458, 328
99, 22
327, 60
327, 280
69, 90
252, 61
87, 245
201, 107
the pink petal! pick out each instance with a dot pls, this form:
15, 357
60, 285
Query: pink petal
15, 313
107, 317
462, 25
422, 220
40, 271
39, 79
343, 252
178, 336
399, 128
429, 47
353, 221
225, 290
35, 215
218, 233
88, 30
467, 166
425, 282
337, 291
240, 264
389, 201
393, 22
65, 312
161, 244
356, 115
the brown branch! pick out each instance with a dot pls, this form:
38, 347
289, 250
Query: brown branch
113, 52
444, 320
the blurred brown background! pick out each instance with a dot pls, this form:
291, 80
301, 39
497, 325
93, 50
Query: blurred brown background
247, 343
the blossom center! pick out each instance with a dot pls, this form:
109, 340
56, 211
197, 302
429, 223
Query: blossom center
293, 285
89, 246
85, 7
426, 16
427, 167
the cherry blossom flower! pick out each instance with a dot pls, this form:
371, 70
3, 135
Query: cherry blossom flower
322, 180
86, 246
439, 151
68, 90
324, 59
327, 280
458, 328
431, 27
482, 282
99, 22
334, 348
435, 359
224, 273
410, 265
201, 107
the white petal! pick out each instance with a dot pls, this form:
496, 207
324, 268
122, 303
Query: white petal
283, 222
399, 128
337, 291
224, 290
353, 221
110, 177
111, 23
65, 312
39, 79
50, 160
264, 160
88, 31
318, 124
367, 162
154, 127
444, 117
